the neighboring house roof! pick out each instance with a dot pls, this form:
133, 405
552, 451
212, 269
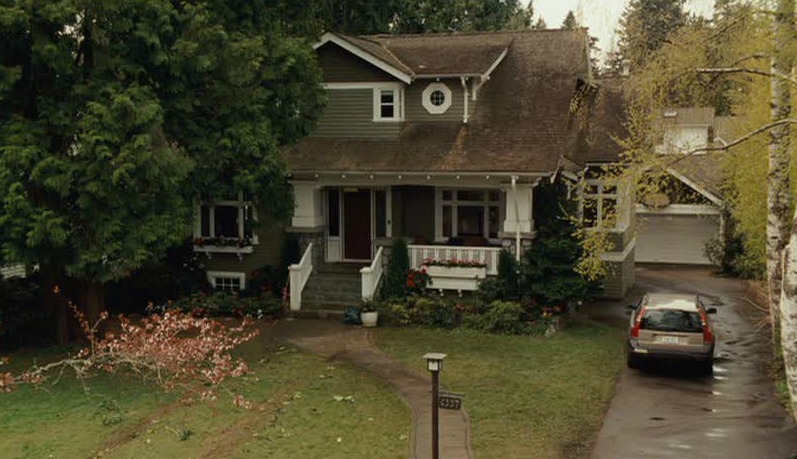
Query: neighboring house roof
522, 121
703, 173
688, 116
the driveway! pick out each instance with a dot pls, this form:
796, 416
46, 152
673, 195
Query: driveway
670, 412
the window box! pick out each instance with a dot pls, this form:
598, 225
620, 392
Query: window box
456, 277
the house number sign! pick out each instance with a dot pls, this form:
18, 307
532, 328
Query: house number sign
449, 401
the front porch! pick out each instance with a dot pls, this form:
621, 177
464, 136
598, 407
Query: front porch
354, 221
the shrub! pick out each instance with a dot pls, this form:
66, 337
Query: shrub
508, 276
416, 282
396, 274
502, 317
223, 304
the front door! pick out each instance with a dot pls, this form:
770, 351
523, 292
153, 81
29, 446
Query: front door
357, 225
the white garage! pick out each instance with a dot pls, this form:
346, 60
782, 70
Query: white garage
676, 234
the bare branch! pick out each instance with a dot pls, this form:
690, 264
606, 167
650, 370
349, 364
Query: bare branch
742, 139
732, 70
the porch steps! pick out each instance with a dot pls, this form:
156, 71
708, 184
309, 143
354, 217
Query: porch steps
333, 288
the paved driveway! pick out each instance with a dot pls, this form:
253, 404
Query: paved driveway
671, 412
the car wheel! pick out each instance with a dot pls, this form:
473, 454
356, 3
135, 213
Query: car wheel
707, 367
632, 361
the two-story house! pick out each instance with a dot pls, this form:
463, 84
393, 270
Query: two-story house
440, 139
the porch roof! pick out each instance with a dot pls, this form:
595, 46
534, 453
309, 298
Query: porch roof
522, 120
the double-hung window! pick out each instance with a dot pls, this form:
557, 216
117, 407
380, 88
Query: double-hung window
388, 104
469, 213
599, 205
227, 222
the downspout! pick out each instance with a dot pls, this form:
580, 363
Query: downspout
464, 80
517, 218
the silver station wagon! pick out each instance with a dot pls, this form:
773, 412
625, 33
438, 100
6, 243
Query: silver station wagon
671, 326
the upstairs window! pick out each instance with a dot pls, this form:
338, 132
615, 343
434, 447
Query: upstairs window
388, 104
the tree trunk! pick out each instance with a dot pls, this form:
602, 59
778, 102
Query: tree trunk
788, 315
55, 303
778, 197
92, 300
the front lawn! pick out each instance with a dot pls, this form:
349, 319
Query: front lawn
296, 414
529, 397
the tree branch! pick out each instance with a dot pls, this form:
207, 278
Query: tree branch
732, 70
738, 141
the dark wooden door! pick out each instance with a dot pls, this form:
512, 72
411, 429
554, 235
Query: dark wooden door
357, 225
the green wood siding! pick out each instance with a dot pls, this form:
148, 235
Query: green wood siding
415, 111
350, 113
340, 66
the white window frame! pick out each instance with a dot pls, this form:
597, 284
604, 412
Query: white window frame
427, 98
214, 276
486, 203
398, 102
600, 196
240, 203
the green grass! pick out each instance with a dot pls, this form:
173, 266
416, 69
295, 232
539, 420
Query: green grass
527, 397
295, 415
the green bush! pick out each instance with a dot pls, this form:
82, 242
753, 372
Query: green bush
501, 317
396, 273
223, 304
508, 276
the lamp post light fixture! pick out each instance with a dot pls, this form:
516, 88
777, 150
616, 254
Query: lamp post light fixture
434, 363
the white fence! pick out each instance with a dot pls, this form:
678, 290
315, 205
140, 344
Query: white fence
299, 274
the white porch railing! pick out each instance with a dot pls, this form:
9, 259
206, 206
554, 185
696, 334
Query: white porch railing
371, 276
487, 255
298, 275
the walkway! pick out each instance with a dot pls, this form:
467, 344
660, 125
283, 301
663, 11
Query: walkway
355, 345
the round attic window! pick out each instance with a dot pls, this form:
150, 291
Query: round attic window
436, 98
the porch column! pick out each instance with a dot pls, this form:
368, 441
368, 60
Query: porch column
308, 212
518, 227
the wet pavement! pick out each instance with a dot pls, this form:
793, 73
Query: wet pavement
671, 411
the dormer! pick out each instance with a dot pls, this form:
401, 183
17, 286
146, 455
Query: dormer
376, 84
683, 130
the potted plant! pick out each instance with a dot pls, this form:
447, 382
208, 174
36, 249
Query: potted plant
368, 313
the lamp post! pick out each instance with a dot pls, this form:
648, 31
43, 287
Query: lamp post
434, 363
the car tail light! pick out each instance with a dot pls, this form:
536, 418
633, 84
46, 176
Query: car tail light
708, 335
637, 324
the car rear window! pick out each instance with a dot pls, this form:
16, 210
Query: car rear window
672, 320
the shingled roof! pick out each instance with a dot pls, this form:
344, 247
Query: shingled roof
522, 121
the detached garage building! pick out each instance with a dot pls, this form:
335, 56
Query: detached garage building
675, 228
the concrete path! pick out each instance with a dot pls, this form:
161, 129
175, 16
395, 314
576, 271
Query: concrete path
355, 345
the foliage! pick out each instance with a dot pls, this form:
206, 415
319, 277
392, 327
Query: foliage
224, 304
115, 116
23, 319
417, 282
728, 253
172, 350
644, 27
395, 275
500, 317
508, 270
368, 306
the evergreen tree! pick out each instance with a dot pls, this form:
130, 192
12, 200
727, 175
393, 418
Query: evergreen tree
644, 26
115, 116
570, 21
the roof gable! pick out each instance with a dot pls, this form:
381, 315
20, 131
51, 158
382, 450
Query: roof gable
369, 52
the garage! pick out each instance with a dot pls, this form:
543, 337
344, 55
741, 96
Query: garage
676, 234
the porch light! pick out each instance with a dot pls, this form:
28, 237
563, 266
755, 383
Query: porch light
434, 361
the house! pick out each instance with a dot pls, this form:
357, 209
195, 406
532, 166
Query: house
675, 227
440, 139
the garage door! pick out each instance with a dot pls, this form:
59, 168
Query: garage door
666, 238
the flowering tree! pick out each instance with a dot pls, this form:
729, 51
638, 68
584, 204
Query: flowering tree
172, 350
